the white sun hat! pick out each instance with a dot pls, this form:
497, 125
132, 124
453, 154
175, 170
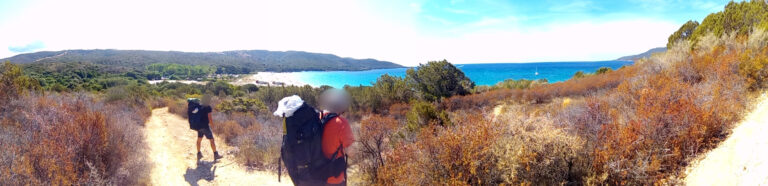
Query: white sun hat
288, 105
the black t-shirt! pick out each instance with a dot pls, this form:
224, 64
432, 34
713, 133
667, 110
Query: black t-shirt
204, 115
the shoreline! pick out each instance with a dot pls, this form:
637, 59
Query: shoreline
271, 79
152, 82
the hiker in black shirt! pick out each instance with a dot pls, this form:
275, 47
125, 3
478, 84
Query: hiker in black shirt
205, 130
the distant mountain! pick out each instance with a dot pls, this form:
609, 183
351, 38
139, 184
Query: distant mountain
643, 55
248, 60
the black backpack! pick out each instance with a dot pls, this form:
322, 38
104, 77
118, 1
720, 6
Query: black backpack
194, 114
302, 150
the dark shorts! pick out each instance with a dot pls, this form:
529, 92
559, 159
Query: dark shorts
205, 132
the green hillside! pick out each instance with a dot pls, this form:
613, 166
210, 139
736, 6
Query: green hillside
234, 61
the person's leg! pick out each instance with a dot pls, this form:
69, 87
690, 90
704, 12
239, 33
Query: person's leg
213, 145
209, 135
200, 139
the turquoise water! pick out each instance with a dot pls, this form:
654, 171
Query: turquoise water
481, 74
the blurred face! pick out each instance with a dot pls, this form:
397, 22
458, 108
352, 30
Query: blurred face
335, 100
206, 100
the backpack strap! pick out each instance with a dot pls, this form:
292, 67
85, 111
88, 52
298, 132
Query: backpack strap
326, 118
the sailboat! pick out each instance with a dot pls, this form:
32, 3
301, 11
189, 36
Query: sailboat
537, 71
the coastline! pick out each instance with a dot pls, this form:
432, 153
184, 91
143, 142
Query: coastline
271, 79
177, 81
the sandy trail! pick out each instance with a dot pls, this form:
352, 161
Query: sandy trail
742, 159
172, 150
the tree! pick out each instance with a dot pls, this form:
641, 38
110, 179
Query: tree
603, 70
738, 17
579, 74
392, 89
13, 82
439, 79
683, 33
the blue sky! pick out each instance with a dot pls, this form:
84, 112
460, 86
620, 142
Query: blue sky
405, 32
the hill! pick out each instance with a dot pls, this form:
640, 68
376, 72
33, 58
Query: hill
643, 55
244, 60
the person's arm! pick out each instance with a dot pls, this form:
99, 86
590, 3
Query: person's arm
210, 120
347, 137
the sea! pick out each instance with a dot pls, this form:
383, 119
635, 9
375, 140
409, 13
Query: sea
481, 74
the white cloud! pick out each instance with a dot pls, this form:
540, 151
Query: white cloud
346, 28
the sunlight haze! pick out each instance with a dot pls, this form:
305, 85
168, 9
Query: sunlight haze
404, 32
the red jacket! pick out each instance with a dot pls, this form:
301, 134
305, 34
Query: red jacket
337, 132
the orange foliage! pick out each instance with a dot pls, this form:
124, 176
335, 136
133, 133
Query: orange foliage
375, 133
540, 94
666, 118
63, 140
458, 155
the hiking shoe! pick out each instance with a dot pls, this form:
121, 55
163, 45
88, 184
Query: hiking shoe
217, 156
199, 155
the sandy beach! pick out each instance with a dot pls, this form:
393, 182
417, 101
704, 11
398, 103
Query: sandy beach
178, 81
271, 79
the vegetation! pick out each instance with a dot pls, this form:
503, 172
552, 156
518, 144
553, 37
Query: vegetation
683, 33
439, 79
601, 70
89, 141
738, 19
521, 84
176, 71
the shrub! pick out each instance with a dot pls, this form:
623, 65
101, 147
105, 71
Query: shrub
375, 132
439, 79
603, 70
535, 152
456, 155
259, 145
227, 130
13, 83
423, 114
519, 84
754, 68
72, 140
578, 74
240, 104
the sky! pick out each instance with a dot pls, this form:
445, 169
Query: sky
404, 32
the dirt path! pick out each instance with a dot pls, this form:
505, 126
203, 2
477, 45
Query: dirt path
172, 150
742, 159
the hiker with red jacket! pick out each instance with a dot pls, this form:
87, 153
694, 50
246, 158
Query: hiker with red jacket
314, 148
337, 134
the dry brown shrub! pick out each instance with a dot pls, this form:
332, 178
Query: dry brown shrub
176, 106
374, 139
456, 155
72, 140
227, 130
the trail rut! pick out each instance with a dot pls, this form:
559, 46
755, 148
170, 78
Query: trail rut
172, 150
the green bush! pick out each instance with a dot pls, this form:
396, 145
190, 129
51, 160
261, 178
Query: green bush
439, 79
738, 17
603, 70
579, 74
242, 105
519, 84
424, 114
13, 82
